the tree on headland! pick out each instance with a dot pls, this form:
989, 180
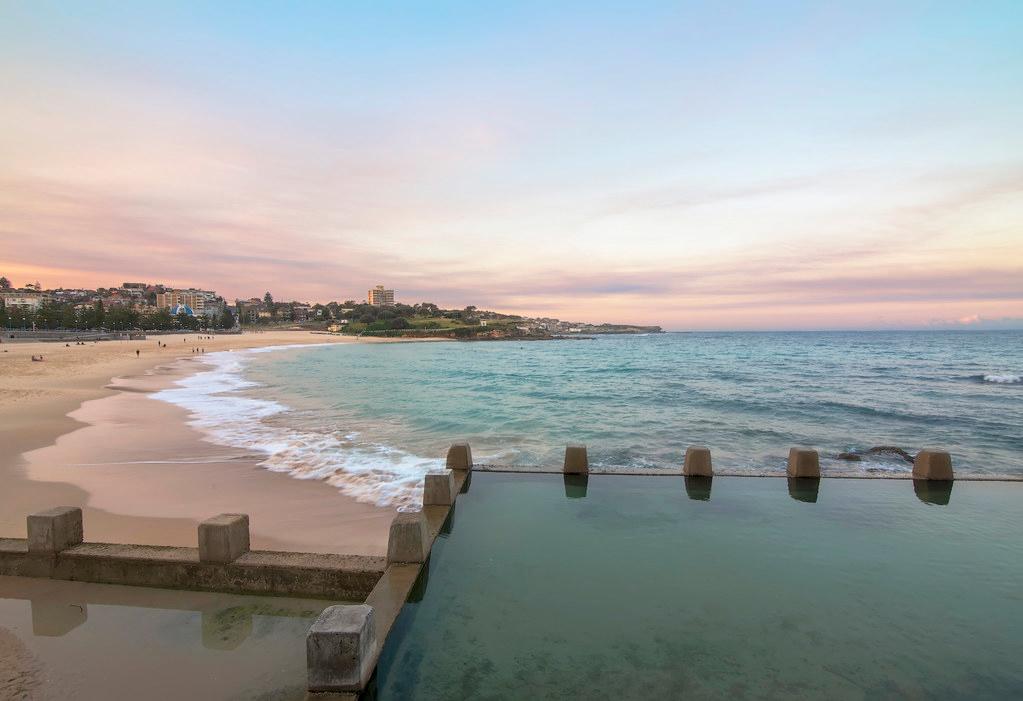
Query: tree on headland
161, 320
186, 321
68, 317
98, 315
268, 300
5, 284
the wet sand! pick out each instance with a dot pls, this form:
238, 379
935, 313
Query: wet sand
71, 436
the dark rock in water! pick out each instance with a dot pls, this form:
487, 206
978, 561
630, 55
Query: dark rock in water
890, 450
854, 457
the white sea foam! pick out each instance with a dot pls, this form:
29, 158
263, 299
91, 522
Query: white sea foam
1003, 379
370, 473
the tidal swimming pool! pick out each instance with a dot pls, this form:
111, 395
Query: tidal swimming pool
548, 586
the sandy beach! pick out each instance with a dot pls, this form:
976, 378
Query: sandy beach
79, 429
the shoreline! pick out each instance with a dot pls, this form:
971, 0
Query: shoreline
79, 429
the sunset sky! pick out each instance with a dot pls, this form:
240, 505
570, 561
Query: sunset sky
700, 166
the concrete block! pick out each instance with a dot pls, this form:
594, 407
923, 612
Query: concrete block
459, 457
339, 648
576, 462
697, 462
223, 538
407, 541
804, 462
439, 489
932, 465
55, 529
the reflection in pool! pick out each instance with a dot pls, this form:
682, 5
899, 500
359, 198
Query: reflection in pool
75, 640
650, 587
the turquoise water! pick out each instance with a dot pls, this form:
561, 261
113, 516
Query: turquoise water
372, 418
624, 587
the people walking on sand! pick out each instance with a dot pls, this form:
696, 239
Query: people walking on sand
137, 352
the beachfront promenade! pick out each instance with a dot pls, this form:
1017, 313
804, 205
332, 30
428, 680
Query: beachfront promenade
345, 642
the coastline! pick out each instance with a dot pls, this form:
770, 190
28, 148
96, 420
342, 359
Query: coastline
71, 435
79, 429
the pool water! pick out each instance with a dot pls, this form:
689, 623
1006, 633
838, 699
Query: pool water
633, 587
61, 640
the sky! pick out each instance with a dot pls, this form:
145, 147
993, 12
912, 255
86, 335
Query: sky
738, 165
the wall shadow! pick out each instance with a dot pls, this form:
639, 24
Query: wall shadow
576, 486
422, 581
449, 522
698, 488
52, 619
937, 492
804, 488
226, 629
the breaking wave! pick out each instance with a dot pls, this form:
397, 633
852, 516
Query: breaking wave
370, 473
1001, 379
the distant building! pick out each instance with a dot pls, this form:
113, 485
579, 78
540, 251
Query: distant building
27, 300
380, 297
201, 302
248, 310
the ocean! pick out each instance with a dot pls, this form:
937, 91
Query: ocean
372, 419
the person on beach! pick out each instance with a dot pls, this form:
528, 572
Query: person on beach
137, 352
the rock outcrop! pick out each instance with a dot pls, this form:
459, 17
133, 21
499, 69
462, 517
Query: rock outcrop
891, 450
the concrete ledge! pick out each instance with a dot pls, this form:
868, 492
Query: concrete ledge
697, 463
833, 473
576, 460
13, 546
399, 579
339, 648
459, 457
803, 462
17, 561
933, 465
224, 538
439, 488
339, 577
